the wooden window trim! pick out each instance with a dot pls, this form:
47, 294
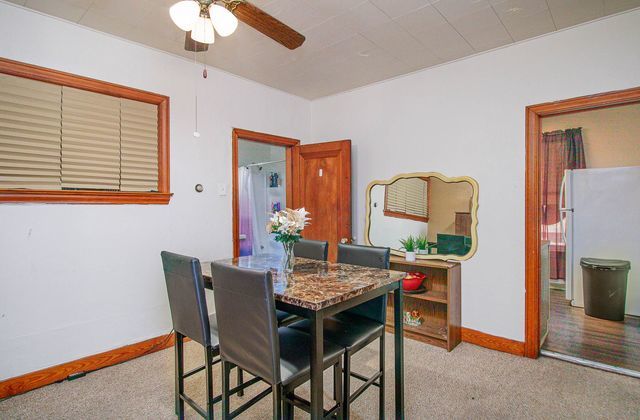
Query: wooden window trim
399, 215
43, 74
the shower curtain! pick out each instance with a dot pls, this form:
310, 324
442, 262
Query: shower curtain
260, 210
254, 213
245, 187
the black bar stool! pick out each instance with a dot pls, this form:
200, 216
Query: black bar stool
191, 318
250, 339
357, 327
315, 250
305, 248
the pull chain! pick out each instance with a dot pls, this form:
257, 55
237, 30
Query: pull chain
196, 133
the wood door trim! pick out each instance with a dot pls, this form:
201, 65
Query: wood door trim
29, 381
533, 115
492, 342
241, 134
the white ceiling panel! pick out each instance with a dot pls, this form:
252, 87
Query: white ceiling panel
333, 7
417, 20
125, 11
397, 8
71, 10
572, 12
299, 15
456, 9
617, 6
349, 43
394, 39
524, 18
363, 17
433, 31
482, 29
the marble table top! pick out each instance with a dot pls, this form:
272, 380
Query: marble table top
315, 284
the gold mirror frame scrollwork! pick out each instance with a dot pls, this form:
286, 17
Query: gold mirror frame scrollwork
474, 213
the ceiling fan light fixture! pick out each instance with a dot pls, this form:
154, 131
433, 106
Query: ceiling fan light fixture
223, 20
185, 14
203, 31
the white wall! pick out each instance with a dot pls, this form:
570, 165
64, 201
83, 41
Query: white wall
76, 280
610, 135
467, 118
253, 152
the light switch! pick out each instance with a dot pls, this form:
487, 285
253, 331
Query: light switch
222, 189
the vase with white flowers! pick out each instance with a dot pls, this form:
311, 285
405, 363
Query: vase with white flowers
287, 225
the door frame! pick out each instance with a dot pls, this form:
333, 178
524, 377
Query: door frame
533, 136
241, 134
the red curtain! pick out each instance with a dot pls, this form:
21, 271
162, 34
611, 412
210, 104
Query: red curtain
561, 150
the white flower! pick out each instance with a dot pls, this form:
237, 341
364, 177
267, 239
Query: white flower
288, 222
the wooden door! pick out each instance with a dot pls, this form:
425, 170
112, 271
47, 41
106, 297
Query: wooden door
322, 184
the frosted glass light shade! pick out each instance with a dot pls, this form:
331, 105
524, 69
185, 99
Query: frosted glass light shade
223, 20
202, 31
184, 14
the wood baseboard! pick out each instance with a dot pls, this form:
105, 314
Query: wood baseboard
492, 342
37, 379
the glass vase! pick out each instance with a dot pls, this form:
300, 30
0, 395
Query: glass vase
289, 259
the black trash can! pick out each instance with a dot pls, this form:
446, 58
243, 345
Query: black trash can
605, 287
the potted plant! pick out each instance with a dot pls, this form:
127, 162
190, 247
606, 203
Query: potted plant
421, 244
409, 246
287, 225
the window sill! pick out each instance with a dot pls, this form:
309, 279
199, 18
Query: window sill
397, 215
83, 197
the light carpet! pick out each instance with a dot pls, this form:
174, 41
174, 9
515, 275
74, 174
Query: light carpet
467, 383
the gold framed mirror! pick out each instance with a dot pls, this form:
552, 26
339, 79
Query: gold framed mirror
440, 211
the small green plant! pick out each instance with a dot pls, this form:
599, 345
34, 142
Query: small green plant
421, 242
409, 244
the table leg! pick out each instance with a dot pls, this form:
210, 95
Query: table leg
398, 350
317, 350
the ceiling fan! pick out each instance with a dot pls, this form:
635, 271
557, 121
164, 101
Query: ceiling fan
200, 17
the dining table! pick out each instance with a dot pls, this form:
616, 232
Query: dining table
316, 290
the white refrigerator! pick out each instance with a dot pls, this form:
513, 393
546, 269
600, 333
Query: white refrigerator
601, 219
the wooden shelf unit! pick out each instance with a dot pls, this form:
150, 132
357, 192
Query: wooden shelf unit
439, 306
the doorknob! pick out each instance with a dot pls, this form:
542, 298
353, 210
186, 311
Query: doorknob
347, 240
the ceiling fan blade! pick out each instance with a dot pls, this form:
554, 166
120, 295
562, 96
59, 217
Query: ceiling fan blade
268, 25
191, 45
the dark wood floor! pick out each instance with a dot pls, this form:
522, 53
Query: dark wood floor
573, 333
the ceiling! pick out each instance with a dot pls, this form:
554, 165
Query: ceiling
350, 43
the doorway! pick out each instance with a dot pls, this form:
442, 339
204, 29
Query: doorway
270, 172
580, 155
262, 183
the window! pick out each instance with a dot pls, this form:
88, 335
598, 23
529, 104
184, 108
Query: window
69, 139
407, 198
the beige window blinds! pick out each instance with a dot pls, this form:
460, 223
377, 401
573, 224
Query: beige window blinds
139, 146
60, 138
90, 140
409, 197
30, 125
